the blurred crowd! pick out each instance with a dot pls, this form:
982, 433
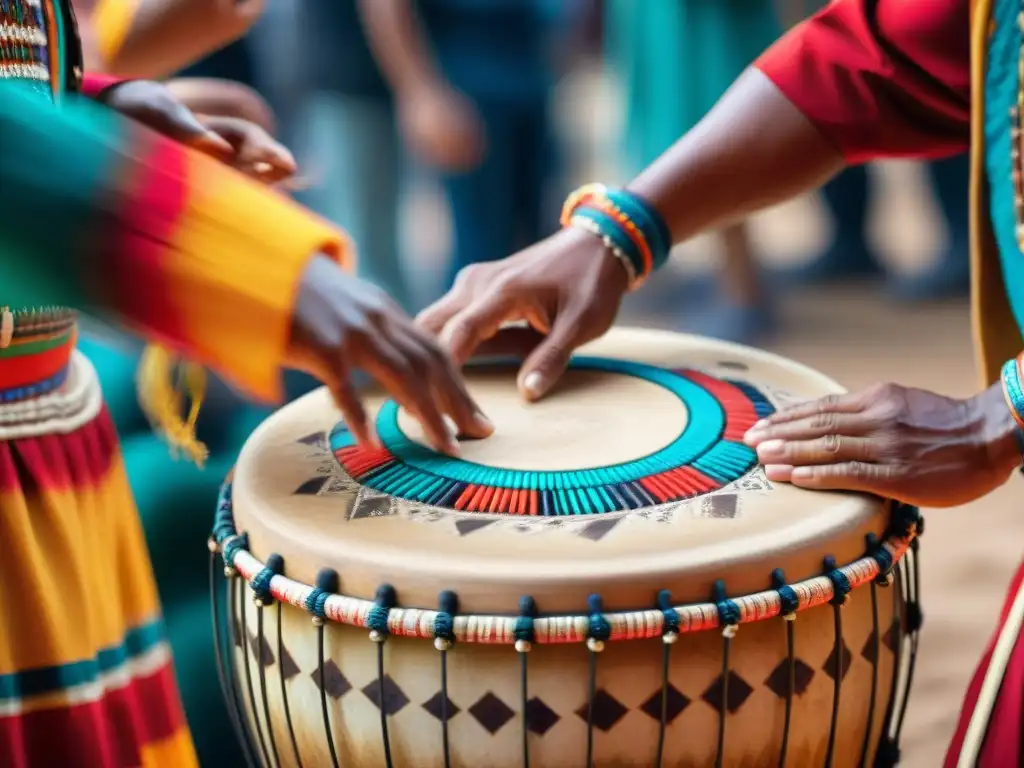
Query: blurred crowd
446, 108
453, 99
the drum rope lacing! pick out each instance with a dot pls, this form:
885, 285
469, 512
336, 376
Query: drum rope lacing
894, 557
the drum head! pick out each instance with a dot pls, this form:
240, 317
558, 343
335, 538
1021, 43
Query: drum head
632, 472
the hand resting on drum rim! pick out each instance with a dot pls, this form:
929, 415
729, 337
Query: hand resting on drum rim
342, 323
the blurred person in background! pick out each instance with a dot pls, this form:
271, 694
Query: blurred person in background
676, 58
848, 198
471, 82
346, 135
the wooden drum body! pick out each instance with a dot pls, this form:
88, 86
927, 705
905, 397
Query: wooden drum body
608, 580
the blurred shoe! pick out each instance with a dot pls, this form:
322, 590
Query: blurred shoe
844, 259
949, 278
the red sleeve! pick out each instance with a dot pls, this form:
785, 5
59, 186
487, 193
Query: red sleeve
881, 78
93, 86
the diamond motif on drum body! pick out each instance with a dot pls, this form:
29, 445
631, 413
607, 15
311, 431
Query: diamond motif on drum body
540, 718
336, 684
739, 692
778, 680
391, 699
891, 638
491, 712
289, 668
607, 711
830, 663
433, 706
675, 703
870, 650
261, 651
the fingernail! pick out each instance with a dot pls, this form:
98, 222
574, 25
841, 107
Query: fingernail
759, 425
771, 449
533, 384
483, 423
452, 444
803, 473
753, 436
778, 472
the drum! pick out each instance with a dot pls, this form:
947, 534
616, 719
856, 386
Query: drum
608, 580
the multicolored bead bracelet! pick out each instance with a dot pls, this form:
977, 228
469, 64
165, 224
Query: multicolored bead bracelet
630, 227
1014, 394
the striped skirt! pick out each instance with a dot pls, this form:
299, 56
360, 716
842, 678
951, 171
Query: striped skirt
86, 677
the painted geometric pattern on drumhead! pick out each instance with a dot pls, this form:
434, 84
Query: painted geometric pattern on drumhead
483, 687
707, 455
327, 478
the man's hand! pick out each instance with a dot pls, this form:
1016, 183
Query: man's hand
236, 142
567, 288
342, 324
892, 441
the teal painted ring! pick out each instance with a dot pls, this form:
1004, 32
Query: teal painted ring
701, 434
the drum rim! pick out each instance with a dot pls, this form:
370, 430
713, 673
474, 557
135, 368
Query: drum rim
663, 619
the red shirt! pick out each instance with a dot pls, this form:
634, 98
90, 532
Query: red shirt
881, 78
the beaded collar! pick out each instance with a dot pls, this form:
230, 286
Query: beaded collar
24, 50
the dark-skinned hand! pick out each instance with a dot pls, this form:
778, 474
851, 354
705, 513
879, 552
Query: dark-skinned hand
342, 324
236, 142
892, 441
567, 288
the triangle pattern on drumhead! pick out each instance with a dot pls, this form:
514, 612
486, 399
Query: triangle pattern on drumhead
598, 529
316, 440
371, 505
468, 525
312, 487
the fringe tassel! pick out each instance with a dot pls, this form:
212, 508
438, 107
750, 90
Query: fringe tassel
164, 381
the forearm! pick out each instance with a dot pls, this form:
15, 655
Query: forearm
114, 219
156, 38
399, 44
753, 150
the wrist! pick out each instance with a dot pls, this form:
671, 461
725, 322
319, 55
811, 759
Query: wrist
630, 228
1000, 435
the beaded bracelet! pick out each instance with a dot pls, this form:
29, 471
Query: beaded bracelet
630, 227
1014, 394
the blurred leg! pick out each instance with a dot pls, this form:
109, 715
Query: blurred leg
349, 147
949, 275
847, 198
483, 200
539, 186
